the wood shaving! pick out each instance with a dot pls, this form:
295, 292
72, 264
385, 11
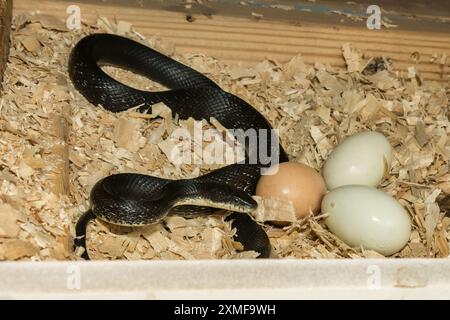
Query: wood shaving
282, 7
257, 16
271, 209
353, 58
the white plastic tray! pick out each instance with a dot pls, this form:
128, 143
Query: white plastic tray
235, 279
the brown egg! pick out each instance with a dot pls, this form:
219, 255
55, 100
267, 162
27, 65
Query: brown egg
296, 182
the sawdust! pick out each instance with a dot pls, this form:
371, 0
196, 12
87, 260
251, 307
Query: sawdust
54, 146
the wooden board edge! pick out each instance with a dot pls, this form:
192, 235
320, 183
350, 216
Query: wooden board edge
5, 29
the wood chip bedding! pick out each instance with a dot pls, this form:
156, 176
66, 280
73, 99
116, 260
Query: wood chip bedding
54, 146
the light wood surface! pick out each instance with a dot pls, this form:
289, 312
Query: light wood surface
247, 40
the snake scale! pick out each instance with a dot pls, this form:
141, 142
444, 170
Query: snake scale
137, 199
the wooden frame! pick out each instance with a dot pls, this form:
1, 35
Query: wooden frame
235, 33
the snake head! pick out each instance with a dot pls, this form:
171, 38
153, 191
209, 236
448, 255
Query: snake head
214, 195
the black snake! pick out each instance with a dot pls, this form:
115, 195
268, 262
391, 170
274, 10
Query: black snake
137, 199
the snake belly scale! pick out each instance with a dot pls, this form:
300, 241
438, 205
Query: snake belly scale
137, 199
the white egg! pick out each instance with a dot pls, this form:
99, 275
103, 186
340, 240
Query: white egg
362, 158
367, 217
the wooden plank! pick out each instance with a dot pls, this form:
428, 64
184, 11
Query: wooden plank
240, 39
5, 28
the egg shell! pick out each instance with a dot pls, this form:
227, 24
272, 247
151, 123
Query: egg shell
364, 216
295, 182
362, 158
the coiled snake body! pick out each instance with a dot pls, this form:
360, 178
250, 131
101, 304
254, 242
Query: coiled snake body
137, 199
